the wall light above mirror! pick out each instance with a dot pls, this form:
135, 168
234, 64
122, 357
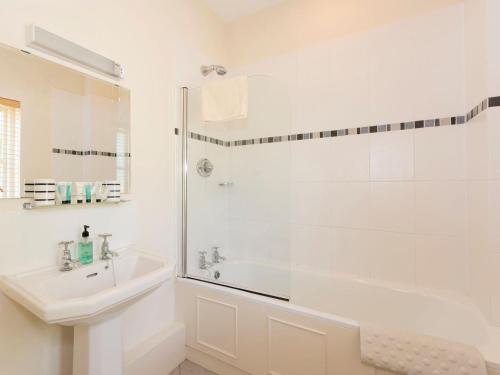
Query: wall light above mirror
57, 123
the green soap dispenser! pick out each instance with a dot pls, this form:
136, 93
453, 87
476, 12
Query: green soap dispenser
86, 247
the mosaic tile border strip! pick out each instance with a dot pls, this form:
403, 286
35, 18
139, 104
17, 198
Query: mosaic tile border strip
91, 152
430, 123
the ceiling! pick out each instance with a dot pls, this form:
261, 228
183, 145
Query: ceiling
230, 10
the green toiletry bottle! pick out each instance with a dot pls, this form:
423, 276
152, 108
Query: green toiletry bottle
86, 247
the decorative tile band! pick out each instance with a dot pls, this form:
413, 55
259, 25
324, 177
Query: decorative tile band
90, 152
204, 138
431, 123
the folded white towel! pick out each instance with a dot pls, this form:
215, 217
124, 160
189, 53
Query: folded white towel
226, 99
407, 353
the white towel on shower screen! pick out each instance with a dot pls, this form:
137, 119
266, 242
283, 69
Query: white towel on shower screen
225, 99
411, 354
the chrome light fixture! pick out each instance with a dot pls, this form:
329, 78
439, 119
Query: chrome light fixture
53, 44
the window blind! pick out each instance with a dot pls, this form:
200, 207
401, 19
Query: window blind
10, 148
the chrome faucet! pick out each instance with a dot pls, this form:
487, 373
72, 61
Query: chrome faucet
106, 254
67, 263
203, 264
216, 257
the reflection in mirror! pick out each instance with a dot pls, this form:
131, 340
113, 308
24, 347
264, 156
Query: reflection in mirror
59, 124
10, 134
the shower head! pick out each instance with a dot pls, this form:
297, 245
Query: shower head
207, 69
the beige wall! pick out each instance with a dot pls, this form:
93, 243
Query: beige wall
147, 40
295, 24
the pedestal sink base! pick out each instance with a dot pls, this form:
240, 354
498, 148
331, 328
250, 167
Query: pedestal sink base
98, 348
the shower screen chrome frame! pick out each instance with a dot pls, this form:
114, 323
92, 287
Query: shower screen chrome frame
184, 171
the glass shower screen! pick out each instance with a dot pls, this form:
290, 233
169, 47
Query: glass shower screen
237, 230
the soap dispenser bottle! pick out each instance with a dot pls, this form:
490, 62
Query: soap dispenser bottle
86, 247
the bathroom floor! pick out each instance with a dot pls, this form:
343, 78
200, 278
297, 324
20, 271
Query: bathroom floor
190, 368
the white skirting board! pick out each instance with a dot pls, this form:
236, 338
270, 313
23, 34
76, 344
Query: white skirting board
159, 354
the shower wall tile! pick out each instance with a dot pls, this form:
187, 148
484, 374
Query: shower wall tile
265, 163
350, 204
493, 216
278, 243
436, 39
441, 262
268, 201
312, 160
350, 158
495, 309
493, 119
440, 208
391, 156
350, 79
440, 154
309, 204
393, 57
304, 238
392, 257
253, 240
476, 148
313, 67
351, 250
313, 110
392, 206
282, 68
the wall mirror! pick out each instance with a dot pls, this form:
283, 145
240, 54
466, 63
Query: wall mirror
57, 123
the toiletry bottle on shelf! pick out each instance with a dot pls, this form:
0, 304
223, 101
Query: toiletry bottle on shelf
88, 192
86, 247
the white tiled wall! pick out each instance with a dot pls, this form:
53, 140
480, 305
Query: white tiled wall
482, 137
387, 224
379, 206
416, 207
483, 218
208, 203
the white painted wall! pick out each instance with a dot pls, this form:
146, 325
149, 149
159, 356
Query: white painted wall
154, 43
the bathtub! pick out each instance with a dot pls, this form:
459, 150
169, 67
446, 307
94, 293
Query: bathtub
322, 305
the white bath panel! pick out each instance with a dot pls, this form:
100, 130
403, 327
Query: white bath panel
217, 326
294, 349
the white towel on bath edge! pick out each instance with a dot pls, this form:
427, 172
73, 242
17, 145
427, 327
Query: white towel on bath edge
411, 354
225, 99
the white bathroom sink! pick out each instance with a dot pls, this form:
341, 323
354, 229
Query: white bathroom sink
87, 294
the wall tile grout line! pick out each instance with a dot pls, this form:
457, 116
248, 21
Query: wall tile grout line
408, 125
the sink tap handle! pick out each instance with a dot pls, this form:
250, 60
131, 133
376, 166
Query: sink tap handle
66, 252
67, 262
106, 253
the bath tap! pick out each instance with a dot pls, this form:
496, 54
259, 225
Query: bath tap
67, 263
203, 261
106, 254
216, 257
